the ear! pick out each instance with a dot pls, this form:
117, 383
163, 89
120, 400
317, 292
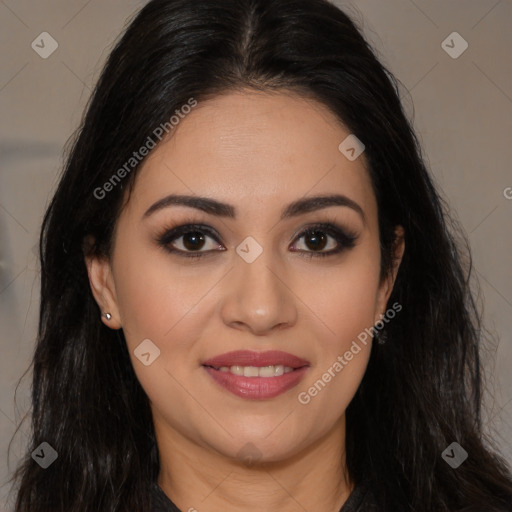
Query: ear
386, 286
102, 285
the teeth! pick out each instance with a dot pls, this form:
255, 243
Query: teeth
256, 371
268, 371
251, 371
237, 370
278, 370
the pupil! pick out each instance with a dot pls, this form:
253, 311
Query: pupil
193, 240
316, 240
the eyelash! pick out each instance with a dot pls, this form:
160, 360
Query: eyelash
345, 239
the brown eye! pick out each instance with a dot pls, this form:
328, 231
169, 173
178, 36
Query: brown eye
193, 241
324, 240
315, 240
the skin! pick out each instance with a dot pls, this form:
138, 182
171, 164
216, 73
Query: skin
257, 152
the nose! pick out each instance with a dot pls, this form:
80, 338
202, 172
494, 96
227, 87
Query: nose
259, 297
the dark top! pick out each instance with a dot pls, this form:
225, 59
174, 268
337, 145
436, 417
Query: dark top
360, 500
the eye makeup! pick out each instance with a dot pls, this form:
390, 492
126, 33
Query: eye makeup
194, 235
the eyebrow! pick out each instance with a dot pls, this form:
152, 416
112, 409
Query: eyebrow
214, 207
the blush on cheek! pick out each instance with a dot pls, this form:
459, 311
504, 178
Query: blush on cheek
347, 312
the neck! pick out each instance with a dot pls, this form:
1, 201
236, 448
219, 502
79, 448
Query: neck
199, 478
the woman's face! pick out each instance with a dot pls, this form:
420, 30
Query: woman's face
245, 277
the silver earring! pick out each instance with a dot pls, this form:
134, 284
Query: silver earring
108, 316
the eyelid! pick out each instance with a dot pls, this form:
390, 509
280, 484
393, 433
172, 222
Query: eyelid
327, 224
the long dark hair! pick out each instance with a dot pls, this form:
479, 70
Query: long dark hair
422, 388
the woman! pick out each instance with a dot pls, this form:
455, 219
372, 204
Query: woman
251, 298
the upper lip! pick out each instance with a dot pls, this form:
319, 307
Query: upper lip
259, 359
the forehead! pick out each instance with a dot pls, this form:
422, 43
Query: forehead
252, 149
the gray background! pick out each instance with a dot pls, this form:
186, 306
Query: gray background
462, 113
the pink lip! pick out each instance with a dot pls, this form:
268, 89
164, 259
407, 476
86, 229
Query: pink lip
259, 388
259, 359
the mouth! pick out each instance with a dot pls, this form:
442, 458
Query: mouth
256, 375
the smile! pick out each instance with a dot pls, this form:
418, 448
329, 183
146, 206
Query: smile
256, 375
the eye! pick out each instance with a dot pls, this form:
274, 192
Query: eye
189, 239
324, 240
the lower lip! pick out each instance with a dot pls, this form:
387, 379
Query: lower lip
257, 388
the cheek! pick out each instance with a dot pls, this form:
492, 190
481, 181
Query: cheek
344, 304
344, 297
161, 301
348, 302
171, 303
154, 293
